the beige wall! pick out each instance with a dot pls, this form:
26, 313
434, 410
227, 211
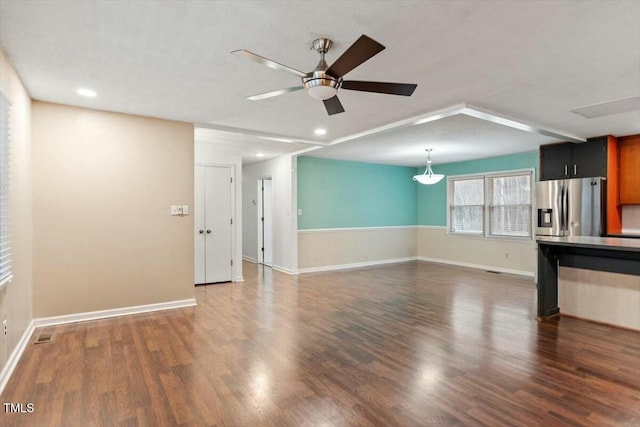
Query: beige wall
511, 256
103, 184
631, 219
335, 248
602, 296
15, 298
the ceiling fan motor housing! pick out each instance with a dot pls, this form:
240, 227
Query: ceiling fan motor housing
318, 83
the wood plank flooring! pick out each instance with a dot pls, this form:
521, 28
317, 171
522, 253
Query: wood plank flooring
411, 344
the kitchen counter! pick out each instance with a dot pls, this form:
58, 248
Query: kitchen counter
611, 243
626, 235
611, 254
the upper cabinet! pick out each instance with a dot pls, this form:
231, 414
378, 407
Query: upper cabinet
555, 161
569, 160
629, 155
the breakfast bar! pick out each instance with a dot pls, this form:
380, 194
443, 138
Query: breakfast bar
610, 254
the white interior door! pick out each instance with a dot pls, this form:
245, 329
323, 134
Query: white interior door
267, 224
260, 225
198, 221
213, 224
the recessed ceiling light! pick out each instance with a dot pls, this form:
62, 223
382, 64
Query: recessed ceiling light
320, 131
86, 92
259, 154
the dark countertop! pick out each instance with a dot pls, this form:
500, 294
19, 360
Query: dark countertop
612, 243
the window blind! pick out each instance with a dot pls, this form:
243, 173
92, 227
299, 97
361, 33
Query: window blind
5, 242
467, 209
510, 209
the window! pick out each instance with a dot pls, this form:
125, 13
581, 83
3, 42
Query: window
495, 204
510, 208
467, 209
5, 244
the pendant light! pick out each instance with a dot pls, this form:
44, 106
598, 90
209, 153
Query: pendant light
428, 177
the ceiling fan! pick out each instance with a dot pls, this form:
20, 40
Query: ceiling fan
324, 81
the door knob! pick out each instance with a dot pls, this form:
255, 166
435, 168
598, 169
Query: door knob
208, 231
201, 231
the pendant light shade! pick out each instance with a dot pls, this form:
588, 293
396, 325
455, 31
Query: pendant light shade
428, 177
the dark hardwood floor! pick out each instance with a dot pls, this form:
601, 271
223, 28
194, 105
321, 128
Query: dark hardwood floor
411, 344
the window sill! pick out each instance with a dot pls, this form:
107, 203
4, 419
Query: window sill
494, 238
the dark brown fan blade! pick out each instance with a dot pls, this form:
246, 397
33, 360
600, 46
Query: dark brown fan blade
333, 106
405, 89
360, 51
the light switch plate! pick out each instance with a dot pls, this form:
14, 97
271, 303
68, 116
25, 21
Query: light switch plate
175, 210
185, 209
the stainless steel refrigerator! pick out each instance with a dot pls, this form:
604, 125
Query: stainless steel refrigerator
571, 207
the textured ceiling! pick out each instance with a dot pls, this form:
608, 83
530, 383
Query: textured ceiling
532, 60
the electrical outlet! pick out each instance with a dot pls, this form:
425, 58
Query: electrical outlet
5, 329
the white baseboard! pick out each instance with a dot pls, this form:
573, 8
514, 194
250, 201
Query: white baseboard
248, 258
239, 279
285, 270
355, 265
15, 356
478, 266
104, 314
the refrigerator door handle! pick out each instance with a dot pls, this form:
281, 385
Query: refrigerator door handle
564, 208
566, 170
560, 206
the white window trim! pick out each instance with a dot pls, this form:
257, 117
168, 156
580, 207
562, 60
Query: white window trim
4, 281
485, 235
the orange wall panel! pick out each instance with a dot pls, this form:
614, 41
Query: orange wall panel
614, 210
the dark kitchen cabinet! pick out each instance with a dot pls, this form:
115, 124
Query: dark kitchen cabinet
574, 160
554, 161
589, 158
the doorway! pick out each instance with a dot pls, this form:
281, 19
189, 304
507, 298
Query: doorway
265, 222
213, 220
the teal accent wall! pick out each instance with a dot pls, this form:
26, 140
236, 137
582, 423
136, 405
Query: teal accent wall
432, 199
340, 194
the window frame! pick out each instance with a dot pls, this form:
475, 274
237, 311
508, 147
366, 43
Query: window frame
468, 177
488, 198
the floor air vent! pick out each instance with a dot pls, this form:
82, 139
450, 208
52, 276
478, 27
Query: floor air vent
44, 337
493, 272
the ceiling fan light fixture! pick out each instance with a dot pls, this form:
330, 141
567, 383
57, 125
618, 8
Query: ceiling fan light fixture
428, 177
320, 85
322, 92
